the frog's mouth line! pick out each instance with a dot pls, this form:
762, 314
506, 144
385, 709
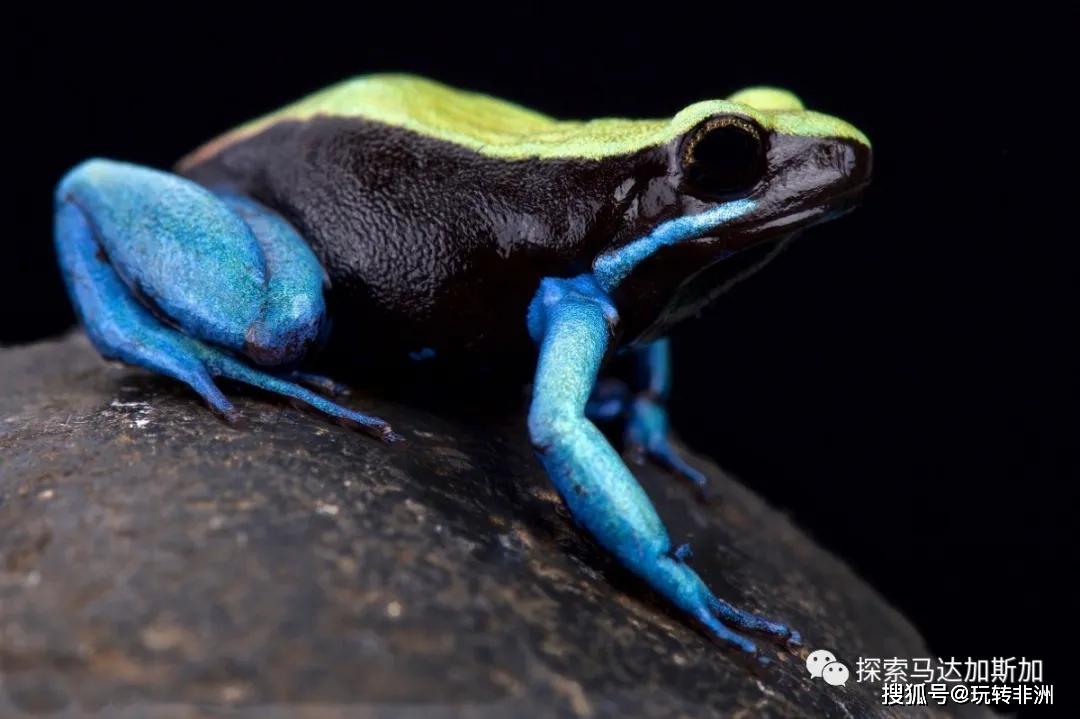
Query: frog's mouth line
801, 219
752, 230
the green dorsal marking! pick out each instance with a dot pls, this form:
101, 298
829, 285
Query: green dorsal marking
501, 129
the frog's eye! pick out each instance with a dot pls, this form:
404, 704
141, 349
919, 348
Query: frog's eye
723, 156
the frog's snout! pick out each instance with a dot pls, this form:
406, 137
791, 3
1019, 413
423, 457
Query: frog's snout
839, 171
818, 172
858, 163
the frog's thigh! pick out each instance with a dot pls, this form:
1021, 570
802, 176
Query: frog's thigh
570, 319
132, 242
222, 269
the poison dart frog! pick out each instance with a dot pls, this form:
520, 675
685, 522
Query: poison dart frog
449, 223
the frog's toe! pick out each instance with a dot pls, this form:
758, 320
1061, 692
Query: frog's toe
727, 635
389, 436
648, 439
748, 621
321, 382
224, 365
664, 455
727, 623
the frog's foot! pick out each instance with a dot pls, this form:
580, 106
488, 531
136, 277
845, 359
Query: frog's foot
168, 276
647, 434
648, 438
572, 321
321, 383
673, 578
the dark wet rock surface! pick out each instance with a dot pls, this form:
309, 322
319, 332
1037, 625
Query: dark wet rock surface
157, 562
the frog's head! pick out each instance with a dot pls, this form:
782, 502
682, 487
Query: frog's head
741, 174
786, 167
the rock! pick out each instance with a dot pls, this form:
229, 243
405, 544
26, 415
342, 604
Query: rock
157, 562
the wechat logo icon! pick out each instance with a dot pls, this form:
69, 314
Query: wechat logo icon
822, 664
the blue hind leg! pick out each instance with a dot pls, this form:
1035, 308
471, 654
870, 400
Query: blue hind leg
571, 320
167, 276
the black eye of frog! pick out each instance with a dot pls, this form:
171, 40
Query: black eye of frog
722, 157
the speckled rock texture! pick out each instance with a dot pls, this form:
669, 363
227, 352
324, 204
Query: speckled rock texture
155, 562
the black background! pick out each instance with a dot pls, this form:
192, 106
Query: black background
902, 381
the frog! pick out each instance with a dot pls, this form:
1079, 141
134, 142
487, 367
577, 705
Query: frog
415, 222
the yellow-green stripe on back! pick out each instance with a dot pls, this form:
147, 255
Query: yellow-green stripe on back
501, 129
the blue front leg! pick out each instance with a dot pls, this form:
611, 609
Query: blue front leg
166, 275
643, 407
648, 431
572, 321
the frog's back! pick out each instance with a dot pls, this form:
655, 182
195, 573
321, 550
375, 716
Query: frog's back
435, 212
479, 122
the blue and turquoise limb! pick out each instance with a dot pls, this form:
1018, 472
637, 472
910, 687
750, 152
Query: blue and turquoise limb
647, 425
293, 308
572, 321
643, 407
648, 429
612, 267
320, 382
167, 276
